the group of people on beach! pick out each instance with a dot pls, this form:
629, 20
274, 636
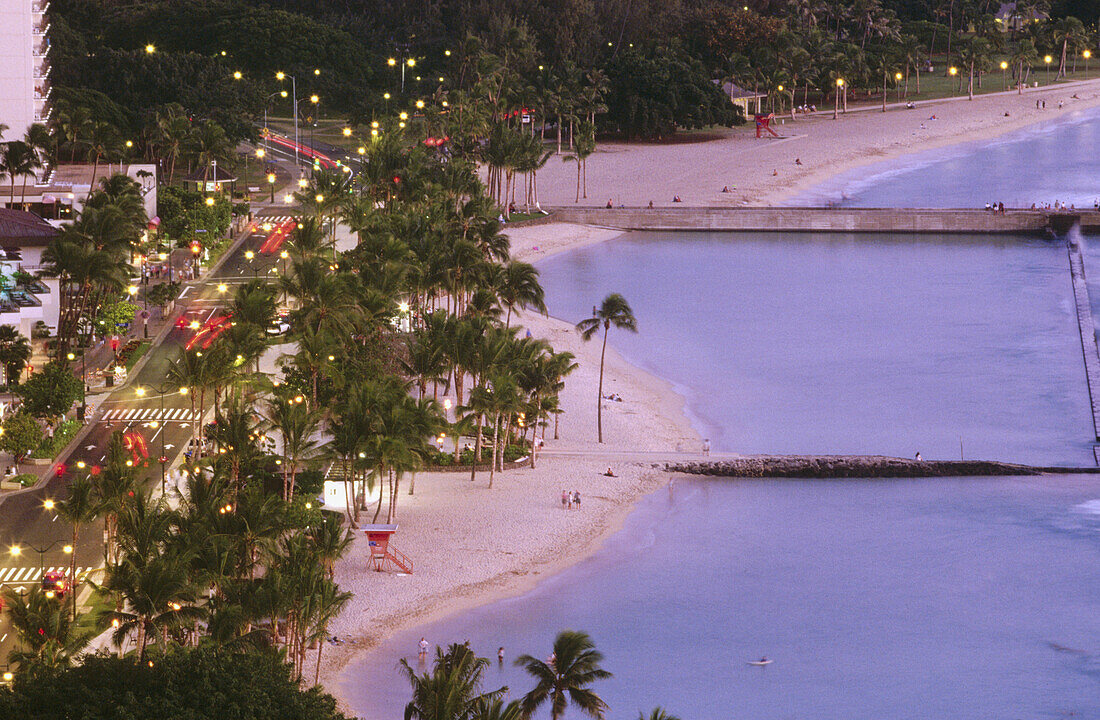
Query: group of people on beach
569, 499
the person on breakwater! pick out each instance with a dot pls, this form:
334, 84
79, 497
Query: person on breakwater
919, 458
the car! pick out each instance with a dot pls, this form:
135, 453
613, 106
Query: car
279, 326
55, 584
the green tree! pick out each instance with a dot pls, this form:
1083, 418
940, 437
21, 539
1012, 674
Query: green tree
21, 436
50, 392
15, 353
613, 311
573, 666
206, 683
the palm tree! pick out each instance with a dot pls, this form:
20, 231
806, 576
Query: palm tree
1025, 54
518, 287
296, 423
15, 352
565, 678
657, 713
452, 690
20, 160
103, 142
80, 508
47, 636
613, 311
584, 146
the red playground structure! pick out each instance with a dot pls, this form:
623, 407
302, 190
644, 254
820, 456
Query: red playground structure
763, 124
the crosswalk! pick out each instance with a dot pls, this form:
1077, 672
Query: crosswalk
149, 415
34, 573
274, 220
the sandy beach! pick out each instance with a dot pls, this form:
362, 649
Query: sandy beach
471, 544
697, 166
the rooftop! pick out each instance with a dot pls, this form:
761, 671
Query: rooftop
25, 229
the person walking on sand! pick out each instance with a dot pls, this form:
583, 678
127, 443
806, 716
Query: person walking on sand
500, 655
706, 447
568, 501
423, 649
564, 500
576, 498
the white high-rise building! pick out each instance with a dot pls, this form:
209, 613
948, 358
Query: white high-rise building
24, 65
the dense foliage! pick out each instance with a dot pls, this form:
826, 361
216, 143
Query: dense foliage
193, 683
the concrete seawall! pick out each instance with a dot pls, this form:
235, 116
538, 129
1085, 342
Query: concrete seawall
1087, 329
857, 220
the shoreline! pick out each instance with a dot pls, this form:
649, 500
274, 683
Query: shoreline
471, 545
768, 172
512, 565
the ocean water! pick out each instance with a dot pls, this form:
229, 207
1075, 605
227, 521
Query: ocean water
786, 343
1059, 160
963, 598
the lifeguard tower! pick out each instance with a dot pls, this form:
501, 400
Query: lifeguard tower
381, 551
764, 124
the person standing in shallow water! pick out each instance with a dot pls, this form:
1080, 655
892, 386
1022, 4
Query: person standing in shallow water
423, 649
706, 447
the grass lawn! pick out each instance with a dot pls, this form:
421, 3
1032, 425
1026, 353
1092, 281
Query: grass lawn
50, 447
137, 353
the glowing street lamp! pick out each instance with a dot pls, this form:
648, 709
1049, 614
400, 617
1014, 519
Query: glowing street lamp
1004, 75
271, 183
1087, 54
237, 75
210, 201
836, 99
150, 48
260, 153
347, 132
1048, 60
897, 79
302, 182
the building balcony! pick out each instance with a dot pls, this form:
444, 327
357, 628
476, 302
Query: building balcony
42, 92
41, 28
40, 7
42, 72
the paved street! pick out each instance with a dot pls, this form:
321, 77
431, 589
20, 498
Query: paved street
163, 422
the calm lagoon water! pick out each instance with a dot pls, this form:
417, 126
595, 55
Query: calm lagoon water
851, 344
1043, 163
964, 598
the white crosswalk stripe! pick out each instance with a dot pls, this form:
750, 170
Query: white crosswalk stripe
274, 219
24, 574
147, 415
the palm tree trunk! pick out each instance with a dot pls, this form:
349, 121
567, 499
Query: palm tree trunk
599, 396
496, 443
477, 448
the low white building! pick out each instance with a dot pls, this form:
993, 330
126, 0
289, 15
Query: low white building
64, 191
24, 302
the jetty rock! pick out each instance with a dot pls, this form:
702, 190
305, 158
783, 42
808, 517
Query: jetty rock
851, 466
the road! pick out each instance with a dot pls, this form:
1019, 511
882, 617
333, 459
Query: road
24, 519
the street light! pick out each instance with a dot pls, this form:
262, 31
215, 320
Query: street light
237, 75
16, 551
953, 71
897, 79
271, 182
1048, 60
294, 91
836, 99
150, 48
1087, 54
1004, 75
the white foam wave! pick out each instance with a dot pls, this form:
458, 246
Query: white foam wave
1091, 507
